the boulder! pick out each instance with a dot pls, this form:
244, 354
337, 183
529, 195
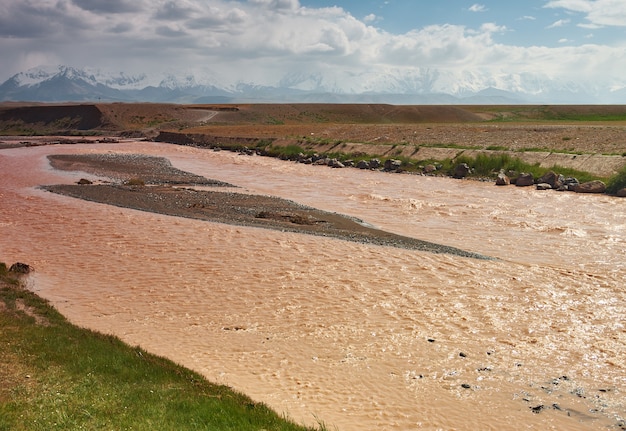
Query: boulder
392, 164
248, 152
374, 164
20, 268
569, 183
429, 169
524, 180
84, 181
544, 186
363, 164
595, 186
502, 180
621, 193
334, 163
552, 178
512, 175
322, 162
461, 170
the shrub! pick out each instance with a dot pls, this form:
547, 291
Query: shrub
135, 182
487, 165
617, 182
287, 151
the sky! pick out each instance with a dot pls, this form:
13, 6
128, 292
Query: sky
262, 40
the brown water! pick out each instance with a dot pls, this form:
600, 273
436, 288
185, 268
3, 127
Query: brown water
357, 336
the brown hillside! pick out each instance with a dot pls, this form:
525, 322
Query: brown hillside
61, 117
149, 117
18, 118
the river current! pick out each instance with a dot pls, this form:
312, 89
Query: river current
352, 335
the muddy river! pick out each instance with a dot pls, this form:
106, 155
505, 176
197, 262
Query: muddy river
355, 336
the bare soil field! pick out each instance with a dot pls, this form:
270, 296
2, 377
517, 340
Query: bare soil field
586, 129
568, 129
602, 139
589, 129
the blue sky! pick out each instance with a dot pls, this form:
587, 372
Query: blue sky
527, 22
264, 41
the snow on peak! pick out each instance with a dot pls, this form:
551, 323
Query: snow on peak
196, 79
36, 75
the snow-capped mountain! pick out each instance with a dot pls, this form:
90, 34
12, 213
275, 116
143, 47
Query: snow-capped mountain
120, 81
389, 85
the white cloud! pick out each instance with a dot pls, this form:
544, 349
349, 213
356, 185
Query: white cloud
527, 18
478, 8
559, 23
590, 26
262, 41
370, 18
573, 5
490, 27
277, 4
597, 12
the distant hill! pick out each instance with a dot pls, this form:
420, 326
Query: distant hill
28, 118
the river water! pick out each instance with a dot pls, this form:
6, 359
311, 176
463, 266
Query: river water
352, 335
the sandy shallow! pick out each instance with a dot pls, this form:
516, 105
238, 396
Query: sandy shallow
220, 206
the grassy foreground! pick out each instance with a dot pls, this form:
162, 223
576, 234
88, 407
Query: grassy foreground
54, 375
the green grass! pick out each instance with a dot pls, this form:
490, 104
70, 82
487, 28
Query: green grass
320, 140
484, 165
585, 117
488, 165
552, 113
617, 182
533, 150
452, 145
547, 150
497, 148
288, 152
56, 376
274, 121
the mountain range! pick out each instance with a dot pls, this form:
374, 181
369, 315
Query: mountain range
394, 86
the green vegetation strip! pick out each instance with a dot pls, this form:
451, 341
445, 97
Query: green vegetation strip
553, 113
483, 165
617, 182
56, 376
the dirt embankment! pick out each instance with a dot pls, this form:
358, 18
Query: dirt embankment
109, 118
601, 165
62, 117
